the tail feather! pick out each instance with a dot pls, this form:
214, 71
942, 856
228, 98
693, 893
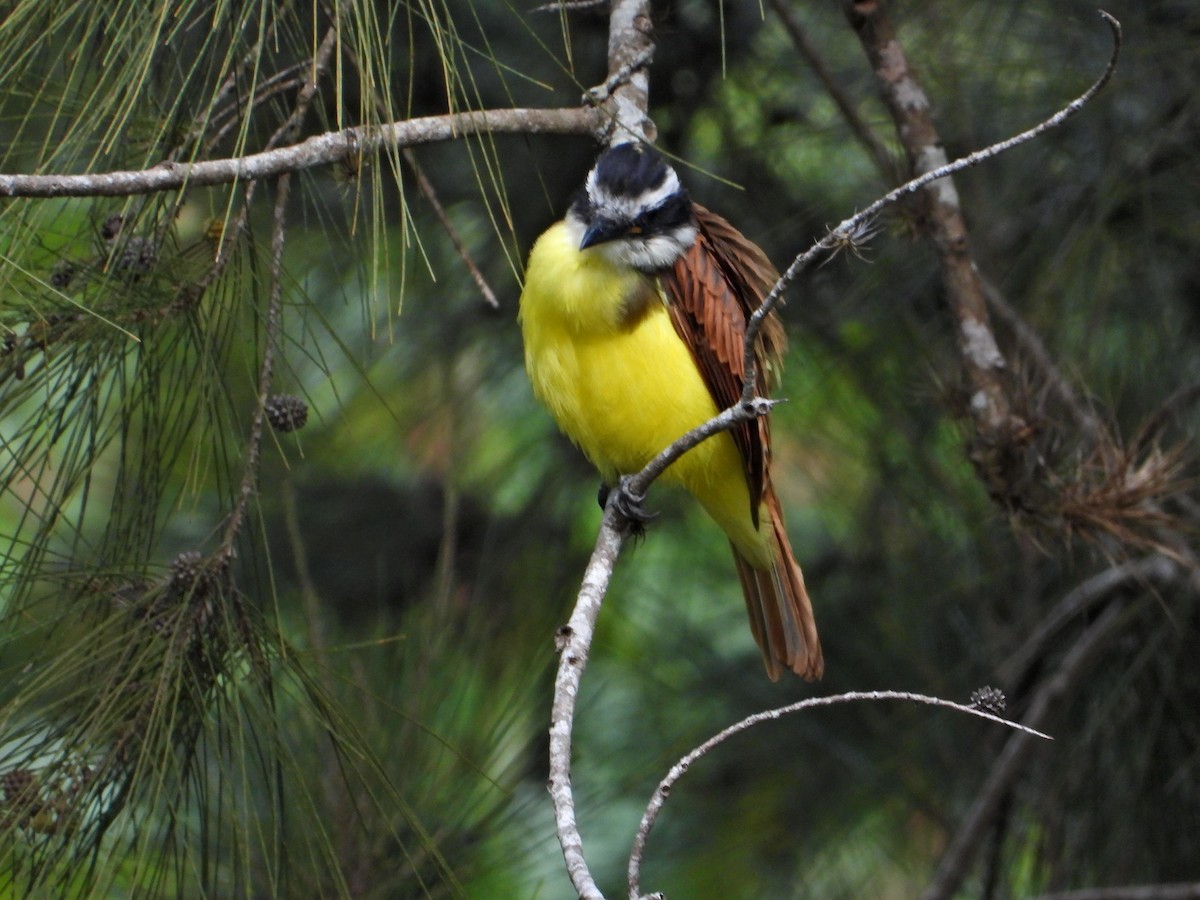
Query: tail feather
781, 614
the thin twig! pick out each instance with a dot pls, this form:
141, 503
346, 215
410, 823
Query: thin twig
846, 232
885, 162
426, 187
569, 6
680, 768
274, 325
266, 368
430, 193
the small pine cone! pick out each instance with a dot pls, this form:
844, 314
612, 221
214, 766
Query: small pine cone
989, 699
286, 412
190, 573
19, 786
62, 274
139, 255
112, 227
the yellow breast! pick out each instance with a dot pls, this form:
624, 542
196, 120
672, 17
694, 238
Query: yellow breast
621, 387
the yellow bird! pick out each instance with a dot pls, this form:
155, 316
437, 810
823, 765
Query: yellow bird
634, 314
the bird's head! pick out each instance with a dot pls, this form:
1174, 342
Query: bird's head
634, 210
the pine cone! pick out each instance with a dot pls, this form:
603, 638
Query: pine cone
989, 699
286, 412
138, 255
19, 786
112, 226
192, 574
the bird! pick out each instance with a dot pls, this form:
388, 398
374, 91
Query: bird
633, 314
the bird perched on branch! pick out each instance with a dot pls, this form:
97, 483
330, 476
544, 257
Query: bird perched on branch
634, 316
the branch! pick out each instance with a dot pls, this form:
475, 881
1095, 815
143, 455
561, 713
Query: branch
426, 187
318, 150
850, 231
983, 364
848, 234
626, 91
1150, 573
574, 641
274, 325
678, 770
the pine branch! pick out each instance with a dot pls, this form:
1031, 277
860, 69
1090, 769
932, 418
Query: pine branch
322, 149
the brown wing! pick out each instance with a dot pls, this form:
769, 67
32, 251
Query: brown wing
713, 289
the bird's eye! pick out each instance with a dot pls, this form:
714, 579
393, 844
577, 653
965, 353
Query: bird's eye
636, 228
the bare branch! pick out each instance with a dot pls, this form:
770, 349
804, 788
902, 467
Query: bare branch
724, 421
627, 88
569, 6
318, 150
678, 770
574, 641
983, 363
847, 231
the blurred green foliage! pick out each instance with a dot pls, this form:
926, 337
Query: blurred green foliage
358, 705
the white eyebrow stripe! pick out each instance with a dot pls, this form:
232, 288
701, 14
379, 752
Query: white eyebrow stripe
630, 207
659, 195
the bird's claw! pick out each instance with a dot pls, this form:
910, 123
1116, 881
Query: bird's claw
630, 506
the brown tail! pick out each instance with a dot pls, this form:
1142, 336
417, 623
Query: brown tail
781, 615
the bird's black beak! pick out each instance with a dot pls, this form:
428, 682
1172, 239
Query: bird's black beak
602, 231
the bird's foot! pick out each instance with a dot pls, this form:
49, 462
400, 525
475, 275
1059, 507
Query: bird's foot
628, 504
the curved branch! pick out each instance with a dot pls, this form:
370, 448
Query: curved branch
318, 150
850, 231
680, 768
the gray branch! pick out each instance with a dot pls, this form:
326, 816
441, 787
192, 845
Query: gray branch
318, 150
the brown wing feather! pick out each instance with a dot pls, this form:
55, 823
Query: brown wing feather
713, 290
